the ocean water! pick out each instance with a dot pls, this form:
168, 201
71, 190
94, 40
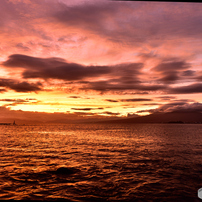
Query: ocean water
103, 162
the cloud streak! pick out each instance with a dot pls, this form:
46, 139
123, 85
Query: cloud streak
190, 89
86, 109
20, 86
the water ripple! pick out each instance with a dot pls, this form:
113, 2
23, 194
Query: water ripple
101, 163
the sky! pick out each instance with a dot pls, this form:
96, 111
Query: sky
95, 59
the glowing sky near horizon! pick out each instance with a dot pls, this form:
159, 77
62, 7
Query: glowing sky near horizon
100, 58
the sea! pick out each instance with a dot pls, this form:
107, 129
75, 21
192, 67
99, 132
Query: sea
101, 162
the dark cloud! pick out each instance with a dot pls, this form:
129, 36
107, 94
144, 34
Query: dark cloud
57, 68
86, 109
170, 77
89, 16
110, 100
69, 72
128, 72
134, 22
194, 107
184, 100
198, 76
31, 99
109, 85
120, 77
135, 100
166, 97
177, 107
82, 109
74, 97
171, 66
169, 70
28, 62
20, 86
135, 93
188, 73
193, 88
14, 100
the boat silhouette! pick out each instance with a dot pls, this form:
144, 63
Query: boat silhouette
8, 124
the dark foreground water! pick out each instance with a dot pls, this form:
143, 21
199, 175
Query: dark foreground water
143, 162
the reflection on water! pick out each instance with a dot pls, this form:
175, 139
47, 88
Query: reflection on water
143, 162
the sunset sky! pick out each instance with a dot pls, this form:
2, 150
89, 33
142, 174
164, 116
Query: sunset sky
97, 58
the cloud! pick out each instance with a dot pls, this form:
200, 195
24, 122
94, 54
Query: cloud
190, 89
198, 76
166, 97
194, 107
151, 104
110, 100
29, 62
177, 107
71, 71
134, 22
188, 73
77, 97
31, 99
22, 47
86, 109
169, 70
109, 85
2, 90
89, 16
171, 66
74, 97
120, 76
14, 102
170, 77
54, 68
20, 86
58, 68
135, 100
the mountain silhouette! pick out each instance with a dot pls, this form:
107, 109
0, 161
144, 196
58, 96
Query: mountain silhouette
170, 117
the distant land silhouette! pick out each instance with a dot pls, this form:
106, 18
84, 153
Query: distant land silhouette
170, 117
157, 117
